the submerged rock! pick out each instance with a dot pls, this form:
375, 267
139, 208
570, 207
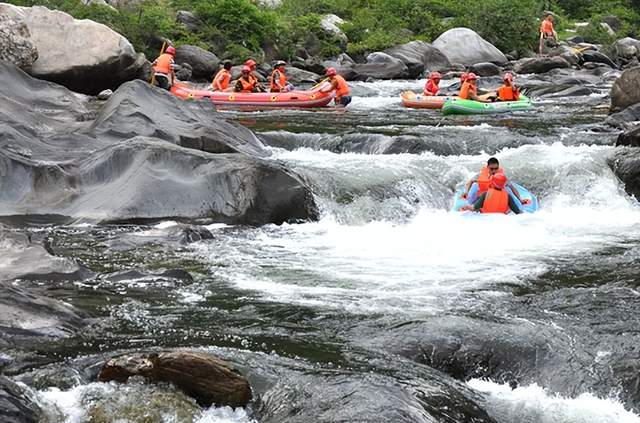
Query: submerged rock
82, 55
625, 163
630, 137
15, 407
465, 46
201, 376
624, 118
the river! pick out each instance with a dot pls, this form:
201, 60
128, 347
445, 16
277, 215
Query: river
533, 317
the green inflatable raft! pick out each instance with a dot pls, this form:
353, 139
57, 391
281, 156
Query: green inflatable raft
457, 106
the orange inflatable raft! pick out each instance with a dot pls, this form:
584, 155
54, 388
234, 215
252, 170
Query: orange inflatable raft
414, 101
291, 99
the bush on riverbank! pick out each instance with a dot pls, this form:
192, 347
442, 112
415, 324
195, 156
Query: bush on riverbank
236, 29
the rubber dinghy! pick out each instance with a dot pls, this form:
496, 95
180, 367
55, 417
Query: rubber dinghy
532, 207
416, 101
291, 99
458, 106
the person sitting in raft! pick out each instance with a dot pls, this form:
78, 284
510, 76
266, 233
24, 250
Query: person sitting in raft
222, 78
431, 87
278, 79
547, 33
496, 199
338, 83
469, 88
163, 69
246, 83
492, 168
508, 91
256, 82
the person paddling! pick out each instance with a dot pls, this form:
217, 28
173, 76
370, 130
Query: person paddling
278, 79
163, 69
431, 87
496, 199
547, 33
486, 172
339, 85
222, 78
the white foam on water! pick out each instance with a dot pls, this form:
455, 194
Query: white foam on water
224, 415
533, 404
437, 260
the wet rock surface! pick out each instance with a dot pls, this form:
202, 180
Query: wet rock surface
624, 92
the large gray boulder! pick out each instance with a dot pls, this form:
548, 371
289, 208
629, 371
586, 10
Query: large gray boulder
331, 24
626, 50
465, 46
300, 76
15, 407
625, 117
625, 92
380, 70
540, 64
147, 155
189, 20
419, 57
630, 137
15, 44
625, 163
485, 69
204, 64
82, 55
597, 57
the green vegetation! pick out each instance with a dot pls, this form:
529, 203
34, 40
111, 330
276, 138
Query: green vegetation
237, 29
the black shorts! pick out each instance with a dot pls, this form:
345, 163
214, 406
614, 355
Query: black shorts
162, 81
345, 100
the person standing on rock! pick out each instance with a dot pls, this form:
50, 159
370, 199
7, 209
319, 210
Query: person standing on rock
339, 85
431, 87
278, 79
163, 69
547, 33
223, 77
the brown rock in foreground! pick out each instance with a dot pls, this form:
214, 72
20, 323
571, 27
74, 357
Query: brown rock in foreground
205, 378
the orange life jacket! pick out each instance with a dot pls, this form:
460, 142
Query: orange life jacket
431, 88
342, 88
483, 179
221, 81
496, 201
546, 27
277, 81
508, 93
163, 64
466, 88
248, 84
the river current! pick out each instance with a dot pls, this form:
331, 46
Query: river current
551, 298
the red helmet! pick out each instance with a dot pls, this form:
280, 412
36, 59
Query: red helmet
331, 72
246, 68
508, 76
435, 75
250, 62
499, 180
463, 76
170, 50
472, 76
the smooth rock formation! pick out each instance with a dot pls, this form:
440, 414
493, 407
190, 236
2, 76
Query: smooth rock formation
626, 50
15, 44
366, 71
419, 57
189, 20
147, 155
202, 376
597, 57
298, 76
540, 64
624, 118
465, 46
625, 92
331, 24
204, 64
82, 55
630, 137
625, 163
485, 69
14, 405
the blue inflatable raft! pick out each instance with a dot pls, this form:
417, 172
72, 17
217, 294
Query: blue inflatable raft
473, 196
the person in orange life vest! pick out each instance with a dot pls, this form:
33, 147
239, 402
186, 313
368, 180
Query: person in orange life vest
508, 92
278, 79
547, 32
245, 84
492, 168
469, 88
496, 199
338, 83
163, 69
222, 78
431, 87
252, 74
